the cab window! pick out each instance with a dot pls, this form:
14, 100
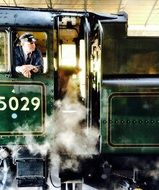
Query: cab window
4, 66
41, 43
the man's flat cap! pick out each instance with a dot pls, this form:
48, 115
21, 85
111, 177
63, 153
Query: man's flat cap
27, 37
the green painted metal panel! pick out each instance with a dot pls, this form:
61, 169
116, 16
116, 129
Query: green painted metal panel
22, 110
130, 118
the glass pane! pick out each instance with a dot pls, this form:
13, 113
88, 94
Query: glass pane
3, 52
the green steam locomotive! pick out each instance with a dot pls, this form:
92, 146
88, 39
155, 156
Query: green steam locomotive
92, 111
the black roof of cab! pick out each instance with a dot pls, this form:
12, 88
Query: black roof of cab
44, 18
25, 17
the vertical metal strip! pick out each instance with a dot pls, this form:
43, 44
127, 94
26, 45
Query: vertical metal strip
87, 60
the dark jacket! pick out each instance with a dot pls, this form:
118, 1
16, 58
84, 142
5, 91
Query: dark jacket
36, 58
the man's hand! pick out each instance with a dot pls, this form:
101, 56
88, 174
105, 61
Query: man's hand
26, 70
35, 69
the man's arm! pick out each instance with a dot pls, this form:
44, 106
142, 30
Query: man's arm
38, 61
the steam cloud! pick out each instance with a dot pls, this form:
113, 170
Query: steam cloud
68, 140
66, 134
67, 131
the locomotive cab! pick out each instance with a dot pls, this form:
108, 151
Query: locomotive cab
28, 105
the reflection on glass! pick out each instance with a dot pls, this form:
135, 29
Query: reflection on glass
3, 52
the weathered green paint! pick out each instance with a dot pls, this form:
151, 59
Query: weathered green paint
130, 119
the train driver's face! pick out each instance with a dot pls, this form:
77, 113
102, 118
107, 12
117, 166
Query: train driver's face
29, 46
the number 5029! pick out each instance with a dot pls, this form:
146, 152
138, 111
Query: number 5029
23, 103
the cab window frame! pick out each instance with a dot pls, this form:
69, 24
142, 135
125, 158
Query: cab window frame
15, 40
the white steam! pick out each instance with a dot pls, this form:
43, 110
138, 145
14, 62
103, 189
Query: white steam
154, 170
68, 140
67, 131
